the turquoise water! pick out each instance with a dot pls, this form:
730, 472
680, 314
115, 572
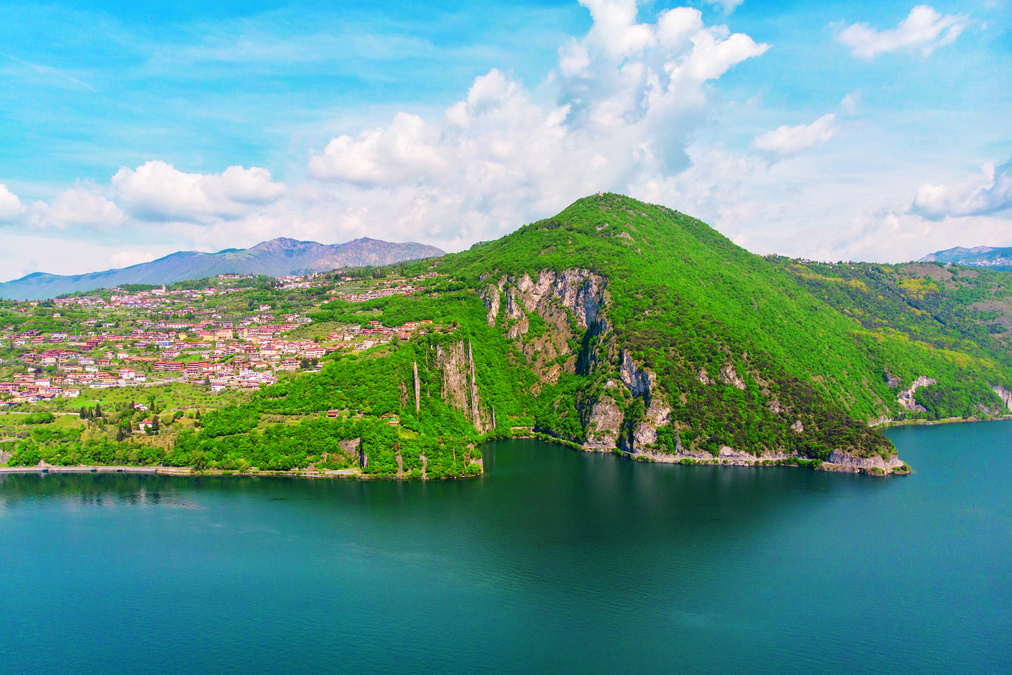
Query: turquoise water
556, 561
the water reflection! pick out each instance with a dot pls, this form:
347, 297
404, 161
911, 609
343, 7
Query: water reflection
91, 490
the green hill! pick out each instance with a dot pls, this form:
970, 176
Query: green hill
629, 327
624, 325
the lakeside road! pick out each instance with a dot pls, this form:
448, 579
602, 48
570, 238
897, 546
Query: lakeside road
178, 471
85, 469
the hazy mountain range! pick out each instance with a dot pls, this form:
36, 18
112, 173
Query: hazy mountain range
978, 256
278, 257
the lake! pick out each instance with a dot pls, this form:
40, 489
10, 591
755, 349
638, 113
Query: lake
556, 562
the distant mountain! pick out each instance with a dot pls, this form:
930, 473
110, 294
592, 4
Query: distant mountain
979, 256
278, 257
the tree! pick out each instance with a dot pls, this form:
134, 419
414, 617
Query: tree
98, 410
119, 434
154, 423
83, 413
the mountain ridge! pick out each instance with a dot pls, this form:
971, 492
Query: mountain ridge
276, 257
992, 257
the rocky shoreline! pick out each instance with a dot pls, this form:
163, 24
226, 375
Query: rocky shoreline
839, 462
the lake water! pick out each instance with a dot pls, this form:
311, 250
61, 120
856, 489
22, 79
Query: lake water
555, 561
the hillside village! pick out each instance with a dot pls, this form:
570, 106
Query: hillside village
217, 336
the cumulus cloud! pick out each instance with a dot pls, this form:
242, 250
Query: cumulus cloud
923, 31
10, 205
157, 191
83, 205
981, 194
121, 259
406, 151
787, 140
629, 96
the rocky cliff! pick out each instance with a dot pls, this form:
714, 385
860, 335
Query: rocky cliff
460, 385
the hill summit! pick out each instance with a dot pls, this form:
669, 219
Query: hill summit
630, 327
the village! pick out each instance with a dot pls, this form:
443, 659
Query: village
167, 344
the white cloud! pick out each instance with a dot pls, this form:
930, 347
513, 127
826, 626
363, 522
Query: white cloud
891, 234
985, 193
922, 31
83, 205
629, 96
10, 205
157, 191
406, 151
787, 140
121, 259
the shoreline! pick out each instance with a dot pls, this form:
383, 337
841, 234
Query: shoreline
930, 423
731, 457
330, 474
727, 459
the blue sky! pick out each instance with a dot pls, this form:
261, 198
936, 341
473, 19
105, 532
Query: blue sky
858, 130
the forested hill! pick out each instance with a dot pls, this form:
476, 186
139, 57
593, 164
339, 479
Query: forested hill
277, 257
629, 327
742, 347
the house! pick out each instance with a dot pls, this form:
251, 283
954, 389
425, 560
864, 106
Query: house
145, 424
195, 368
333, 413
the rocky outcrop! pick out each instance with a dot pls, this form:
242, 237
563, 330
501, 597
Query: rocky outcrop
844, 461
418, 388
514, 308
642, 384
569, 300
604, 424
1004, 394
475, 401
452, 360
352, 449
638, 382
490, 295
729, 376
906, 397
460, 386
576, 289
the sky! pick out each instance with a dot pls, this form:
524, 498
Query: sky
875, 131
